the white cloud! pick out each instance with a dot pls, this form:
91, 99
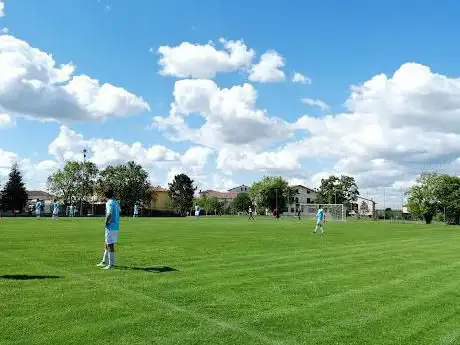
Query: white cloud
300, 78
2, 8
204, 60
4, 30
6, 121
250, 160
231, 116
316, 103
31, 84
268, 70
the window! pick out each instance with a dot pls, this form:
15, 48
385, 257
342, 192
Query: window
292, 209
308, 201
297, 190
296, 200
308, 192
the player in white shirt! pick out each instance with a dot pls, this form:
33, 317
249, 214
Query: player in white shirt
197, 211
55, 209
251, 216
136, 210
38, 208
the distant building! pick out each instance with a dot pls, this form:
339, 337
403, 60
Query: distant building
46, 199
224, 197
363, 207
304, 196
240, 189
161, 201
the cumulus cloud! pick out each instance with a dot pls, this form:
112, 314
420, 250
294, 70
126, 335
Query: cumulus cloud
204, 60
395, 128
4, 30
6, 121
316, 103
300, 78
33, 85
268, 70
230, 114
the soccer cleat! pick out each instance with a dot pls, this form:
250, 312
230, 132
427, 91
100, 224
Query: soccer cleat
101, 264
108, 267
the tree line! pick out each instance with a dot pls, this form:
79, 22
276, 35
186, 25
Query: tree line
81, 183
435, 196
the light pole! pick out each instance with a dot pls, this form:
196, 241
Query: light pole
85, 180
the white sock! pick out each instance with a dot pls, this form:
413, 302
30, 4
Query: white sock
111, 258
316, 228
106, 254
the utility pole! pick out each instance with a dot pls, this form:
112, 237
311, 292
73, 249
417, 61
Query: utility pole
85, 180
384, 207
276, 198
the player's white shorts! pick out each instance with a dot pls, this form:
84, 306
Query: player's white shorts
55, 213
197, 213
111, 236
319, 222
37, 213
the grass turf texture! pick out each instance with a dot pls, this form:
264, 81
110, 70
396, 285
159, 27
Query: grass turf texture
234, 282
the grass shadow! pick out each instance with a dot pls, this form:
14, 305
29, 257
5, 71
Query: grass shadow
162, 269
27, 277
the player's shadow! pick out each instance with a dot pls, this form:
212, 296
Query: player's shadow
163, 269
27, 277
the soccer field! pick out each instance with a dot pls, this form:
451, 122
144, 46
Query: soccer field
229, 281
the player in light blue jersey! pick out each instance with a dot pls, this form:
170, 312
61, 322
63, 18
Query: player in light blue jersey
38, 208
197, 211
55, 209
136, 210
320, 216
112, 226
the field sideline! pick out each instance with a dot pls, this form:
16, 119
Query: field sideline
229, 281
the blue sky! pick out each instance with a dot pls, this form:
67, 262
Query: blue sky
335, 43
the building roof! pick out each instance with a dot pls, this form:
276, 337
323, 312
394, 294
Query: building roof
159, 189
220, 195
363, 198
299, 185
243, 185
33, 194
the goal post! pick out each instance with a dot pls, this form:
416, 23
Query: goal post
333, 212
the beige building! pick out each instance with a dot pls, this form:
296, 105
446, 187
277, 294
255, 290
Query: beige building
363, 207
224, 197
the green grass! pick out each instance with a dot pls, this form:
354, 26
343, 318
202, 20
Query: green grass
237, 282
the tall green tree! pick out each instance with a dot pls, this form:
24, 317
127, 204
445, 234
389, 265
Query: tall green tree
338, 190
130, 182
14, 193
75, 182
272, 192
181, 192
242, 202
424, 197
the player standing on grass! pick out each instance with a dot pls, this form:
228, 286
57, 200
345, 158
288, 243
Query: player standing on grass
319, 220
55, 209
251, 216
197, 211
136, 210
112, 226
38, 208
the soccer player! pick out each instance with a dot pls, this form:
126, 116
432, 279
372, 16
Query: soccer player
38, 208
112, 226
298, 213
250, 213
319, 220
136, 210
197, 211
55, 209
